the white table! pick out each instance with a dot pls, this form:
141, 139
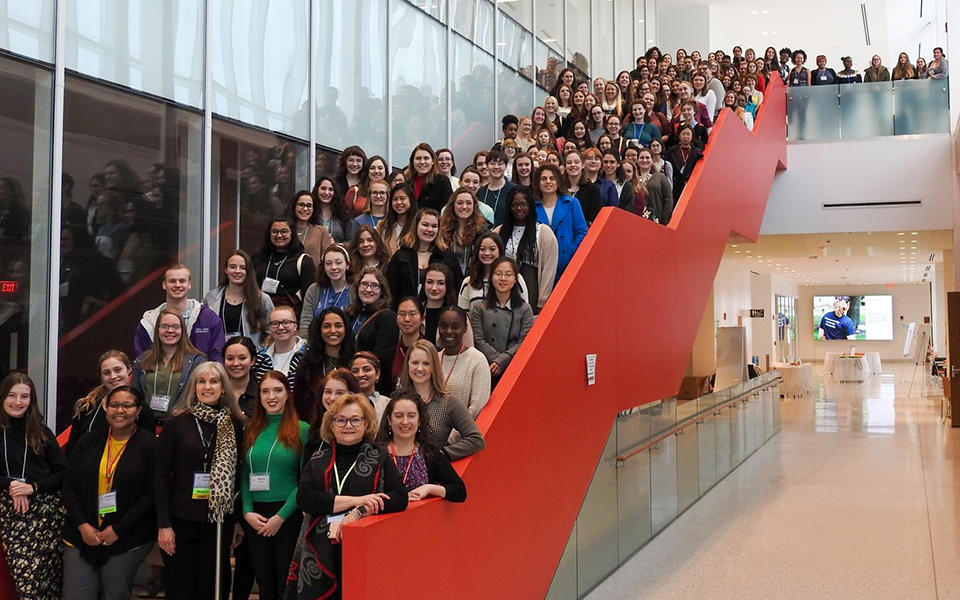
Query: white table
830, 362
797, 379
851, 368
873, 361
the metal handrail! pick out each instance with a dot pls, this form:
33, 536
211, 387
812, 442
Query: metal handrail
693, 420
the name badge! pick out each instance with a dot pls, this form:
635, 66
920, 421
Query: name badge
159, 402
331, 519
201, 486
270, 285
259, 482
823, 78
107, 503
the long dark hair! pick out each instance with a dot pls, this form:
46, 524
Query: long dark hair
382, 254
347, 153
251, 290
515, 299
292, 208
36, 432
337, 204
526, 250
386, 225
295, 248
423, 435
316, 350
476, 267
448, 277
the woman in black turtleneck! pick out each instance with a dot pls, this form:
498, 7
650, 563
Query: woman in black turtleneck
372, 321
284, 270
196, 470
31, 516
340, 483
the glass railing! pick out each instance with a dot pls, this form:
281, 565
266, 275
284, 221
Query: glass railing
863, 110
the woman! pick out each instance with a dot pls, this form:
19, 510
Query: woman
410, 324
502, 321
921, 68
688, 111
375, 171
399, 217
704, 95
447, 165
938, 67
579, 135
332, 287
330, 346
475, 287
641, 128
245, 367
754, 71
876, 71
115, 370
431, 189
239, 302
376, 209
365, 368
522, 169
195, 481
565, 101
425, 471
109, 496
350, 170
524, 132
560, 212
470, 180
372, 321
533, 245
595, 121
589, 101
466, 373
480, 166
284, 349
743, 115
312, 235
436, 294
656, 151
269, 480
161, 373
566, 78
368, 250
31, 515
540, 120
545, 139
799, 75
284, 271
333, 212
630, 177
612, 99
460, 226
610, 165
659, 198
771, 62
684, 157
577, 186
419, 248
904, 68
344, 481
334, 385
422, 373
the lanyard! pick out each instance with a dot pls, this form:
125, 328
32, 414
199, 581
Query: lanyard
156, 376
280, 266
326, 296
23, 471
269, 455
358, 323
95, 413
452, 367
111, 469
223, 308
204, 442
496, 199
406, 471
336, 473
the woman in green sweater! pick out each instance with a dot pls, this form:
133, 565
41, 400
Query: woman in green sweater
268, 483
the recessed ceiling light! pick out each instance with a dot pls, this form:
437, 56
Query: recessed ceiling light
900, 233
914, 233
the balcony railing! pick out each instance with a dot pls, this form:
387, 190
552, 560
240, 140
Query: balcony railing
864, 110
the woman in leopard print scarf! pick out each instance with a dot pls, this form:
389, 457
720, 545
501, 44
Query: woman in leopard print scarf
196, 478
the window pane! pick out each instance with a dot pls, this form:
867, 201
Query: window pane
520, 11
255, 175
154, 47
138, 172
516, 93
261, 63
514, 44
578, 34
26, 28
624, 53
25, 108
603, 40
472, 125
550, 23
549, 64
419, 76
648, 27
351, 76
434, 8
474, 19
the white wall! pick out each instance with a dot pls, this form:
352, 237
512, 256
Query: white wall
872, 170
911, 301
683, 25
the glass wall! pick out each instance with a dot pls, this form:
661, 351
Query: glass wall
472, 121
26, 28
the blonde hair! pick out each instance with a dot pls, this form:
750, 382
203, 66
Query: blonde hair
436, 375
227, 399
369, 416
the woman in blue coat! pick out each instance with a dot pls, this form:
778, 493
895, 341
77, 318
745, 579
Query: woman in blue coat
561, 212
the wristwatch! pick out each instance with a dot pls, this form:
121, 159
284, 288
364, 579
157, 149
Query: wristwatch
360, 510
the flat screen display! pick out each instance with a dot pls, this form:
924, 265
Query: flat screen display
843, 317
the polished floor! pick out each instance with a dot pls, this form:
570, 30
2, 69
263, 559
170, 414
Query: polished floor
858, 496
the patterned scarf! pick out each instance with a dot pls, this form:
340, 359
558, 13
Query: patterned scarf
223, 468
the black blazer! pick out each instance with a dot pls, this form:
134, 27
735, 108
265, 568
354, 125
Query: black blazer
403, 273
379, 334
134, 521
435, 194
682, 170
591, 202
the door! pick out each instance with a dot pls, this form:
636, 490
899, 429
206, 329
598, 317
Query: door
953, 356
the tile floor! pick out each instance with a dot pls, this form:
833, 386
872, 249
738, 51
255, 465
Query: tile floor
858, 496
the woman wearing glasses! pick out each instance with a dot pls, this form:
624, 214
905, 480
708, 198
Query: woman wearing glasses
161, 372
284, 270
108, 492
284, 348
348, 478
310, 232
372, 321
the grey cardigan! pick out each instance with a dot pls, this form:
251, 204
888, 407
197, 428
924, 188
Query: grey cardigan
214, 298
498, 332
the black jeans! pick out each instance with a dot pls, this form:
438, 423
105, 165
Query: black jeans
188, 573
271, 555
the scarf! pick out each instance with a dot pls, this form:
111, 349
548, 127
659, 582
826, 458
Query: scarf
223, 467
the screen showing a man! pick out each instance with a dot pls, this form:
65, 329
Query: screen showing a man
836, 325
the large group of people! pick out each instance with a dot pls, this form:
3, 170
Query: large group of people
341, 364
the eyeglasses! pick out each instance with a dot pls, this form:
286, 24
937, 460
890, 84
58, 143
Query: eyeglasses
342, 421
370, 285
378, 192
125, 406
168, 327
280, 232
299, 205
504, 274
284, 323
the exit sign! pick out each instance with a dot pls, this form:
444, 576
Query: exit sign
756, 313
8, 287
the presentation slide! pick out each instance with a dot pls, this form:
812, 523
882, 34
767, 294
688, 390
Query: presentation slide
843, 317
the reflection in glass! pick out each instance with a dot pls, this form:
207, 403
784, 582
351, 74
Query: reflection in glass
260, 64
866, 109
550, 24
602, 28
137, 166
26, 28
155, 47
474, 20
516, 93
813, 113
25, 108
514, 45
663, 483
419, 76
472, 125
352, 74
578, 37
921, 106
625, 43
